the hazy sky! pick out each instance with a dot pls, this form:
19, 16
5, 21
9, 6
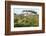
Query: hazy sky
19, 10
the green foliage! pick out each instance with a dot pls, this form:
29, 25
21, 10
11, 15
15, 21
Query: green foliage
26, 21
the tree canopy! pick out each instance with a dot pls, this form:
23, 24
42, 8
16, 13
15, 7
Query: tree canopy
30, 11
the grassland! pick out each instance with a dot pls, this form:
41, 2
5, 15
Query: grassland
26, 21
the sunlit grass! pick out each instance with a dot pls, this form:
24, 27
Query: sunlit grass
26, 21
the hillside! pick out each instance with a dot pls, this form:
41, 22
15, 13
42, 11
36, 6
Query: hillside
26, 21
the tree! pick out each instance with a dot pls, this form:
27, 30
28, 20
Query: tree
14, 13
30, 11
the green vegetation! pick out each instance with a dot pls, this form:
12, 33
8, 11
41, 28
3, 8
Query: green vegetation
26, 21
